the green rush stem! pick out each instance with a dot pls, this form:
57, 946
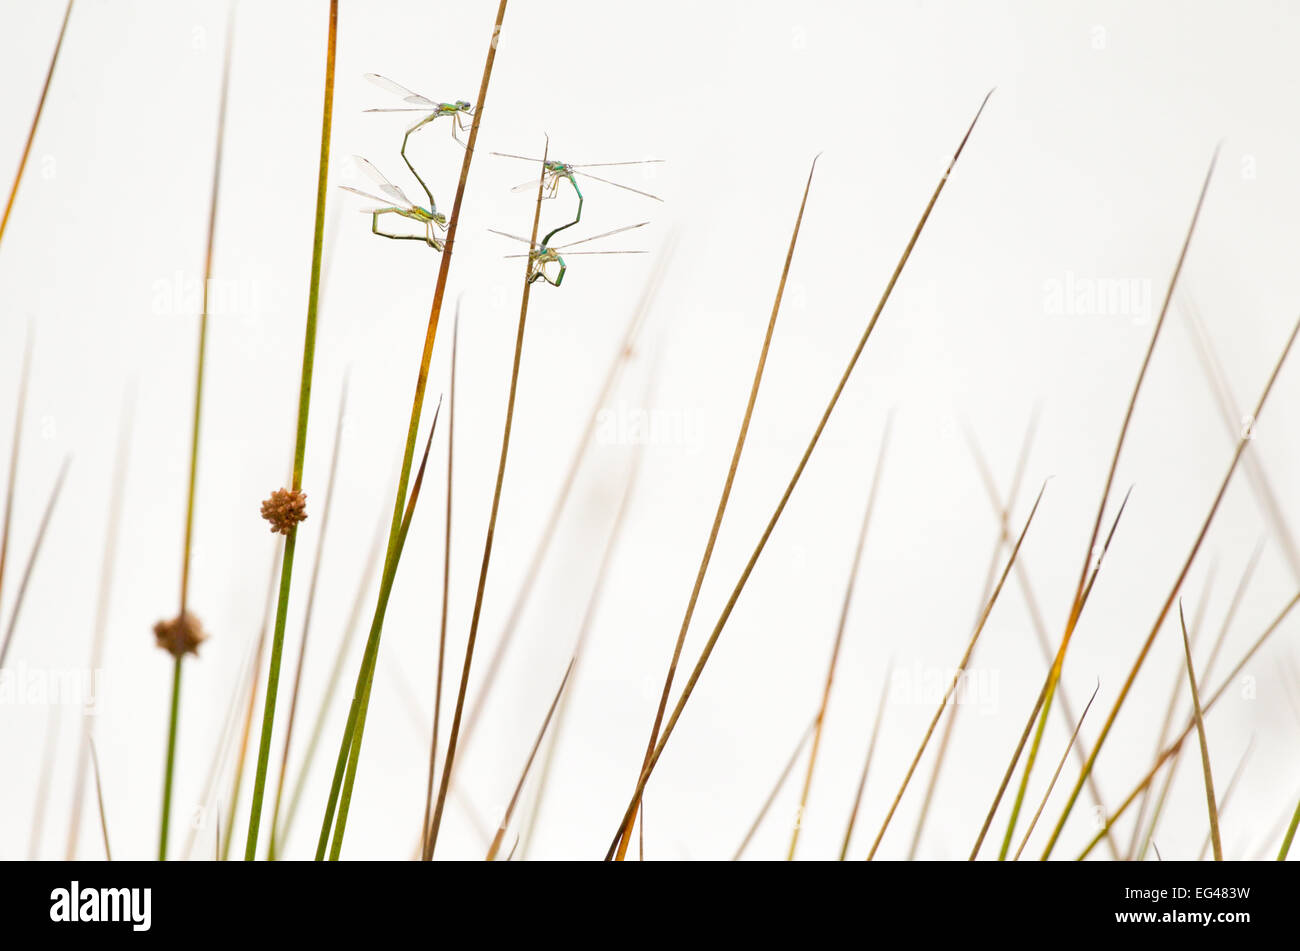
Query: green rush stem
707, 556
171, 760
1174, 748
192, 484
366, 674
450, 758
272, 849
300, 445
1290, 834
1077, 607
694, 677
36, 119
351, 747
336, 673
1169, 600
1210, 798
1038, 703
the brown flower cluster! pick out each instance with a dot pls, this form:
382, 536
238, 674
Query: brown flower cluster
285, 509
181, 635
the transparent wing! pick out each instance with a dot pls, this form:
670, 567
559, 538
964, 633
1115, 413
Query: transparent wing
572, 253
523, 158
625, 188
529, 185
384, 202
385, 186
397, 89
649, 161
507, 234
607, 234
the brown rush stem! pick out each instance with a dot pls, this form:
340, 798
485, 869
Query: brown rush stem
300, 442
1038, 704
107, 566
1077, 607
689, 688
523, 776
786, 770
866, 763
1174, 748
617, 364
24, 382
36, 120
446, 582
839, 636
351, 745
722, 501
1173, 593
961, 668
450, 758
31, 559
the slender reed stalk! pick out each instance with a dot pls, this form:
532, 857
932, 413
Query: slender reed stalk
107, 567
866, 763
1176, 746
1173, 592
1210, 800
20, 412
694, 677
618, 363
347, 752
1077, 607
1227, 793
1029, 724
1003, 513
584, 628
272, 850
820, 720
43, 783
192, 484
777, 786
446, 582
1290, 834
1056, 774
365, 676
450, 758
369, 567
36, 121
173, 721
528, 764
300, 444
721, 510
31, 560
241, 756
99, 797
961, 667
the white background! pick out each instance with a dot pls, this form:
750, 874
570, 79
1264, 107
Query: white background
1084, 167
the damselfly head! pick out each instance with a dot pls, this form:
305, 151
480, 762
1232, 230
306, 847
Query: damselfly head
439, 219
462, 105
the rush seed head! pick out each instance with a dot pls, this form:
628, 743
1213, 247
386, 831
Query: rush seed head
181, 635
285, 509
